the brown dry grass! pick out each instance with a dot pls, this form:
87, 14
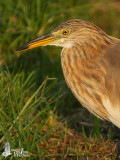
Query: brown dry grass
69, 145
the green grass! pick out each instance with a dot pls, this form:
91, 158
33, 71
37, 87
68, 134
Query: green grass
24, 112
29, 100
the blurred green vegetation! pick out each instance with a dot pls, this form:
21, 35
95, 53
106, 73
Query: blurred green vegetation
22, 74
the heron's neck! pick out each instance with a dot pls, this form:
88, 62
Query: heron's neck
94, 47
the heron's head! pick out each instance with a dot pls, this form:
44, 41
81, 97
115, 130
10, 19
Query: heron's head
66, 35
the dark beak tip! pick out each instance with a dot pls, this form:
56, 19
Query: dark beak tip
22, 48
17, 50
27, 45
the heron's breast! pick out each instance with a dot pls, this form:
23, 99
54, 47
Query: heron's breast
76, 78
84, 82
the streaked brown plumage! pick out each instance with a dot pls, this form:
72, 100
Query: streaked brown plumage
91, 65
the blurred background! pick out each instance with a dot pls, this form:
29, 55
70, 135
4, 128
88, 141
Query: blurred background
33, 81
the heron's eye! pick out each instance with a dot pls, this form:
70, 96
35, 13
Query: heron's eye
65, 32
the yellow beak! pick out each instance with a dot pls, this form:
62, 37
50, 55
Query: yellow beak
40, 41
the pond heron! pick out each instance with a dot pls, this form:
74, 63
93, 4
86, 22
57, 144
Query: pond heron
91, 65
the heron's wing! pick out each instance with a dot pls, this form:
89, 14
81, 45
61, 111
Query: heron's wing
112, 78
